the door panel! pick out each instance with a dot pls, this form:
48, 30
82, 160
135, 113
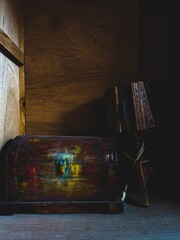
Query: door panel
11, 70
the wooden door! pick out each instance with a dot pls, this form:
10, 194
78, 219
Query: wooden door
11, 70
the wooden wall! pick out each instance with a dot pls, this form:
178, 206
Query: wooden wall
74, 50
11, 70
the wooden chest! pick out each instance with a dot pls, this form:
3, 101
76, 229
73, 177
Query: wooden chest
60, 174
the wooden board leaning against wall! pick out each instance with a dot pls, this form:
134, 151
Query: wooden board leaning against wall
12, 109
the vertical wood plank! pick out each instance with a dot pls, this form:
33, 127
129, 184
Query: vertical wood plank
21, 70
9, 100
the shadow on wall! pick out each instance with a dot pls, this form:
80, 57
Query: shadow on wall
163, 144
86, 120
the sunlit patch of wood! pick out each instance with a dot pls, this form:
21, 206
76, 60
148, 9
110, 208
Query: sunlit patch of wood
9, 99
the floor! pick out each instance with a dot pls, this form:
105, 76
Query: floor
160, 220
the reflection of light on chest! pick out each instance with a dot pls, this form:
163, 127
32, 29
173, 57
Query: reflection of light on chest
63, 158
75, 169
23, 186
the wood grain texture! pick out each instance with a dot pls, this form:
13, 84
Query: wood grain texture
21, 70
74, 51
9, 48
11, 76
9, 100
9, 20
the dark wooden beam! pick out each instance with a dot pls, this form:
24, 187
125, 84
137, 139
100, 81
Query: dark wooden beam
10, 50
